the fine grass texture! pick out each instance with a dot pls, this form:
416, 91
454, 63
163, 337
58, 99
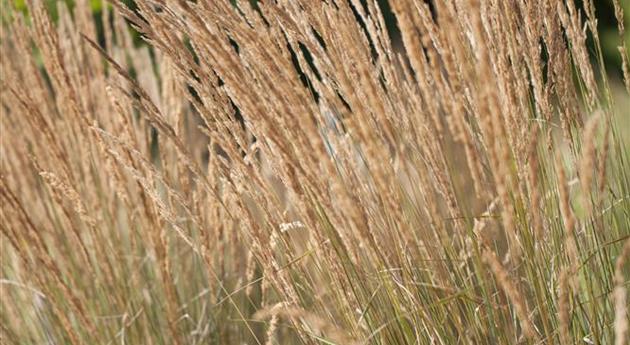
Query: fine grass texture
294, 172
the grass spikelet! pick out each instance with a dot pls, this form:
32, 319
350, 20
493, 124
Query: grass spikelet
623, 49
564, 311
587, 164
510, 290
568, 217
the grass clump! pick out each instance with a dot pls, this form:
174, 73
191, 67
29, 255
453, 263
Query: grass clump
294, 172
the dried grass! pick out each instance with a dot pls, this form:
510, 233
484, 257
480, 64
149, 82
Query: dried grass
292, 172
